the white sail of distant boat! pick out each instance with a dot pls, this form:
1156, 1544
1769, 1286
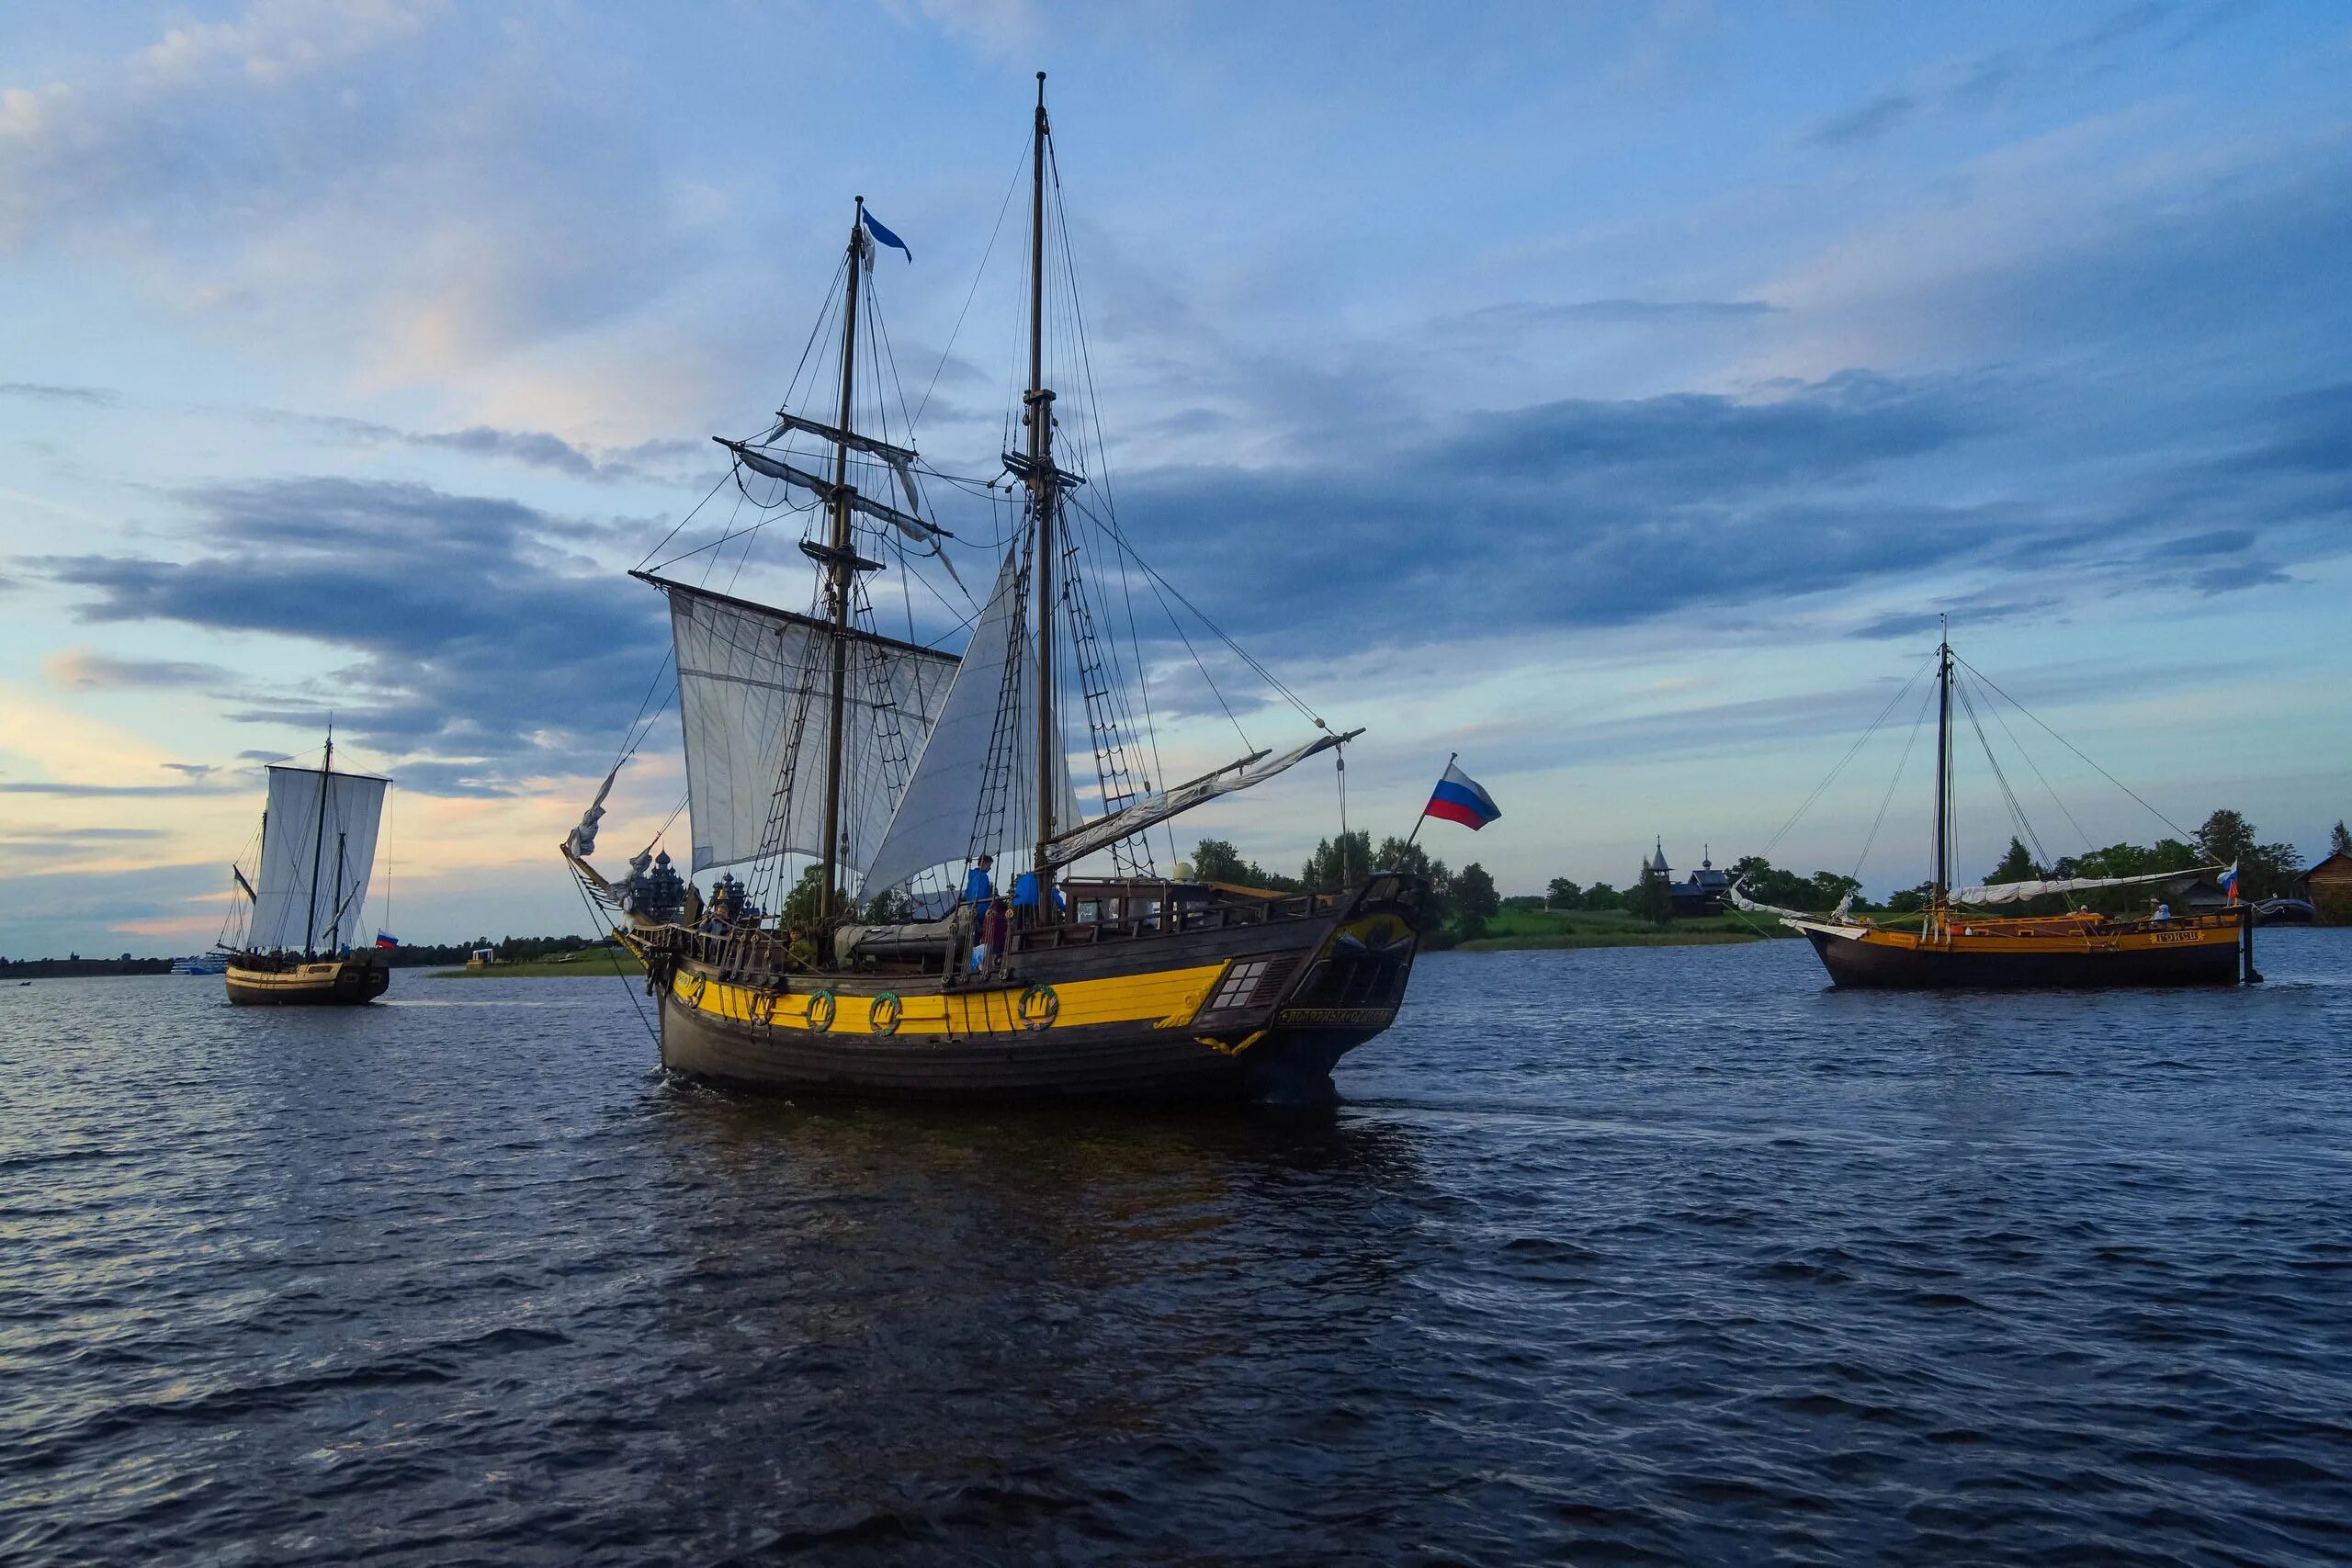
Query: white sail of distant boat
317, 851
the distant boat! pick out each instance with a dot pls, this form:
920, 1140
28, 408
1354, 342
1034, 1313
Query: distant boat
203, 964
2285, 912
318, 847
887, 765
1955, 947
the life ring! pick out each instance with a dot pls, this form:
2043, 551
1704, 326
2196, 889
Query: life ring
1039, 1007
821, 1011
887, 1011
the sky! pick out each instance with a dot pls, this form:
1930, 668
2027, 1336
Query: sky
1615, 395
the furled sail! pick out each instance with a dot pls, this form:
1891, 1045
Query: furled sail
316, 859
1742, 901
744, 672
900, 458
1160, 806
2019, 892
933, 824
913, 527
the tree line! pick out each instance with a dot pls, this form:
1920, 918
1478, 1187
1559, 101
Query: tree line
1461, 902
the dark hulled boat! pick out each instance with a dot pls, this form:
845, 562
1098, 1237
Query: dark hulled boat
310, 886
1957, 946
884, 761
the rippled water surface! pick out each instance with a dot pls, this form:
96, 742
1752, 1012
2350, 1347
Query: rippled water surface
1666, 1254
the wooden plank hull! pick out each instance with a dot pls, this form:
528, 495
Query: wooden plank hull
324, 983
1898, 960
1241, 1013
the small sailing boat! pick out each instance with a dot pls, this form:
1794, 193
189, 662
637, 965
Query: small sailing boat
1955, 947
310, 885
929, 779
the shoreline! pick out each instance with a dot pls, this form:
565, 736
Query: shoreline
1540, 941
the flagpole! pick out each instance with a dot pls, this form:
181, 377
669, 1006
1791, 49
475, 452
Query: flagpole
1451, 757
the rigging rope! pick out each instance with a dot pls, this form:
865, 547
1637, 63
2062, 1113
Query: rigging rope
2070, 746
1819, 789
2001, 778
1888, 798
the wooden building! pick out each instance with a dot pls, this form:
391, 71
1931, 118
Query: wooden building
2328, 885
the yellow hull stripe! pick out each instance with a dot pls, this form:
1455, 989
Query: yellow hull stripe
1165, 999
2060, 942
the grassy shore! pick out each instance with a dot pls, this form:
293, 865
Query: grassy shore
1519, 930
592, 961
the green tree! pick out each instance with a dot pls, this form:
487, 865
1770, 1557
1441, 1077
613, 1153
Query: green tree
1563, 895
1397, 854
2339, 842
1910, 901
1600, 896
891, 906
2264, 871
1767, 884
1338, 863
1474, 901
2018, 865
1652, 897
1828, 889
1215, 859
805, 901
2226, 838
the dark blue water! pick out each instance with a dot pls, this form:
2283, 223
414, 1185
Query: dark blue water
1664, 1255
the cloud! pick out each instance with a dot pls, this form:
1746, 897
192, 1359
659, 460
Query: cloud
1865, 121
95, 397
1579, 512
106, 791
1977, 80
476, 657
1513, 319
87, 670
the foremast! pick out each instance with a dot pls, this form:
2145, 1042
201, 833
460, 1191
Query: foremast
1938, 913
841, 564
319, 844
1044, 500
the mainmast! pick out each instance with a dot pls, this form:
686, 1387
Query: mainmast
840, 562
1942, 882
1043, 503
318, 841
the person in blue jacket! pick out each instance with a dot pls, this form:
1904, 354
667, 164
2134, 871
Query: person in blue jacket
1025, 901
979, 887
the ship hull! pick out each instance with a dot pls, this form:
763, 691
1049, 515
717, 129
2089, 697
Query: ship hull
323, 982
1888, 961
1253, 1012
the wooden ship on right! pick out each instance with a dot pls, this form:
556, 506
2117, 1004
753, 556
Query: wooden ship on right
1957, 945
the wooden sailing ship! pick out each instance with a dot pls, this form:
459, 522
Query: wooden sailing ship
1958, 944
309, 889
901, 766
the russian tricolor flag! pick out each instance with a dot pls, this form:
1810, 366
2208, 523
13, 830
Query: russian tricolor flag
1459, 798
2230, 883
386, 939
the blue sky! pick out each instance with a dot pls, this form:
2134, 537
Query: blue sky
1613, 394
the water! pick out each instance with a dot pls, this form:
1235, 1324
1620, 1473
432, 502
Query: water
1664, 1255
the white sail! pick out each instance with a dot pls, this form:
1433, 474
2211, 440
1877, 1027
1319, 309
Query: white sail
2018, 892
744, 672
1156, 807
933, 824
318, 821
